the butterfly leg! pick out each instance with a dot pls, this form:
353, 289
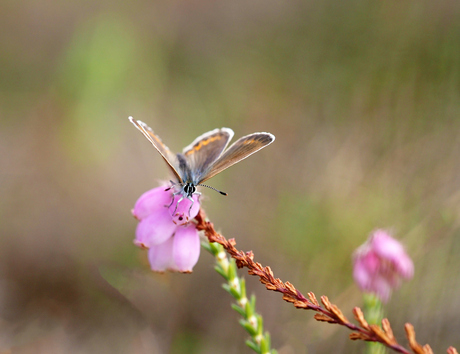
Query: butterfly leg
175, 209
172, 200
191, 199
172, 185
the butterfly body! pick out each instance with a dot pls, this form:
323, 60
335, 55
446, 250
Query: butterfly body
205, 157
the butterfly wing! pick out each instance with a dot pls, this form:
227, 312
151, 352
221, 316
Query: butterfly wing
164, 151
205, 150
242, 148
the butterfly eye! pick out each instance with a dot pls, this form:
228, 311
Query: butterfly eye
189, 189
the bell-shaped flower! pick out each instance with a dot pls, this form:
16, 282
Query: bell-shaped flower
380, 264
165, 228
186, 247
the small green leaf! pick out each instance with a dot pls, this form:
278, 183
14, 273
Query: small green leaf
248, 327
206, 246
249, 308
216, 248
239, 310
260, 324
243, 287
235, 292
253, 301
264, 345
227, 288
232, 270
219, 270
253, 346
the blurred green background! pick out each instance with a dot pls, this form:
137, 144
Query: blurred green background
362, 96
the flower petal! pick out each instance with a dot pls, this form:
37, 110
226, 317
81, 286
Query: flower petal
151, 201
181, 211
386, 247
381, 287
186, 250
154, 229
160, 256
362, 275
405, 266
380, 264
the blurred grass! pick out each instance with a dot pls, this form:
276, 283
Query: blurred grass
363, 98
91, 81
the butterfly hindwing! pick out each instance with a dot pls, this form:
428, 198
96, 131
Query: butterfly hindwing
164, 151
238, 151
205, 150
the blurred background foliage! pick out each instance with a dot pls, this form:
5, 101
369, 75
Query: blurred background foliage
364, 100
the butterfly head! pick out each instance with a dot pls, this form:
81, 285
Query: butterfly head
188, 189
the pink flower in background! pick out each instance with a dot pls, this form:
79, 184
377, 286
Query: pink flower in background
380, 264
173, 241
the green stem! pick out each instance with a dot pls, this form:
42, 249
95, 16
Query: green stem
251, 321
374, 313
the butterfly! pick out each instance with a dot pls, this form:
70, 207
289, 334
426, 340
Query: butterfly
205, 157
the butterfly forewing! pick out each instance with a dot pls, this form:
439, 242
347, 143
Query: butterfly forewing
205, 150
164, 151
238, 151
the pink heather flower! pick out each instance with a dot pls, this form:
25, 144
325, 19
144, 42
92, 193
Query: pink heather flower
165, 229
380, 264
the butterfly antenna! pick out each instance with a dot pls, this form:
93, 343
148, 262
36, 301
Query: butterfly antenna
204, 185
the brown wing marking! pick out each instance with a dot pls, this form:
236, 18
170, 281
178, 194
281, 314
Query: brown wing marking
206, 149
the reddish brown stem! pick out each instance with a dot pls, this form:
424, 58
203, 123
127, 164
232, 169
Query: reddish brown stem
328, 312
